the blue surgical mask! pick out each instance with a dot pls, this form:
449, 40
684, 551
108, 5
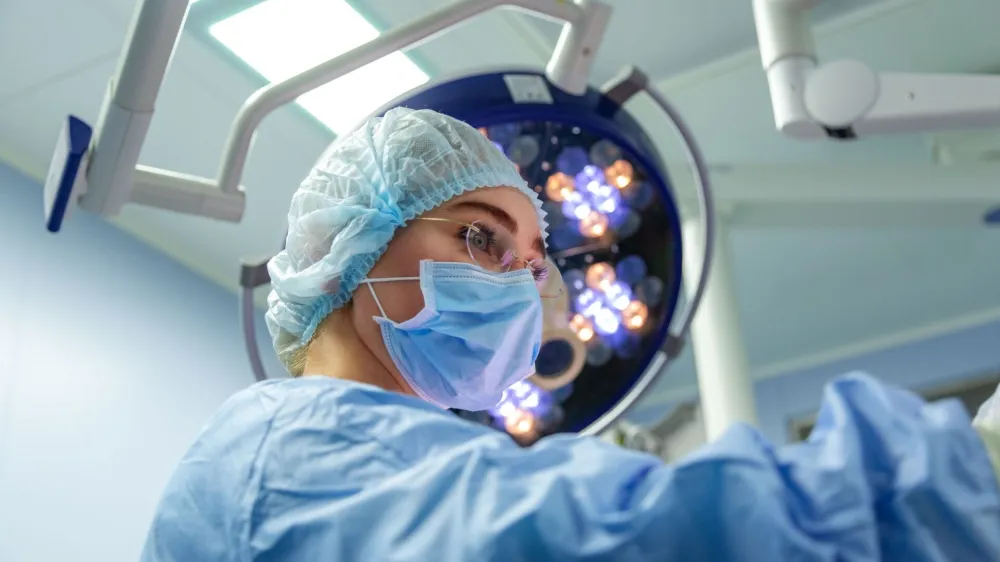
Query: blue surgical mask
478, 333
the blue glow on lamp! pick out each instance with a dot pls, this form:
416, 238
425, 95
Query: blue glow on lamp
575, 280
626, 223
650, 291
588, 303
576, 207
618, 295
640, 195
523, 150
606, 322
631, 269
572, 160
604, 153
591, 179
503, 133
608, 201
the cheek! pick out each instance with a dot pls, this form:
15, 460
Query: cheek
401, 300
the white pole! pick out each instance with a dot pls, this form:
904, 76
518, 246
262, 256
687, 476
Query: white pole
719, 352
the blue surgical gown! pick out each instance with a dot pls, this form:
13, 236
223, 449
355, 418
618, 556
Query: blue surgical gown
317, 469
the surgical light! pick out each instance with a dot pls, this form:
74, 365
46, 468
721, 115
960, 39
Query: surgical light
600, 276
575, 206
594, 225
522, 390
592, 180
606, 321
607, 202
559, 187
588, 303
583, 327
619, 174
520, 424
618, 295
506, 409
635, 315
547, 122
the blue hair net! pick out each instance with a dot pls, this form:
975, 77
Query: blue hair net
366, 185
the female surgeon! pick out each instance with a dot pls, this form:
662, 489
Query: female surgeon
408, 285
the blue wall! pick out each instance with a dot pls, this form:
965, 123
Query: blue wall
112, 356
924, 365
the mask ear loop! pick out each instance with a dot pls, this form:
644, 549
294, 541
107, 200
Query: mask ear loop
371, 289
377, 303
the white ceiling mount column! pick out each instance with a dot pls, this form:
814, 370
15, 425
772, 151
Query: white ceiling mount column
724, 382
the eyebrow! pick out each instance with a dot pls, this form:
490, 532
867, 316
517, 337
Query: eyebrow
502, 217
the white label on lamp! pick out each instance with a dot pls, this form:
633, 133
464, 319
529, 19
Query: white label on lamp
527, 88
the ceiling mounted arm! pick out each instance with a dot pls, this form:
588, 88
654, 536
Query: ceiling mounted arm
105, 177
846, 99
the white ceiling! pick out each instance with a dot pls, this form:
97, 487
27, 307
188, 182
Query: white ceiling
807, 292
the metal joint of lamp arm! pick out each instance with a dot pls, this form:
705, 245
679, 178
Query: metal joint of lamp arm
846, 99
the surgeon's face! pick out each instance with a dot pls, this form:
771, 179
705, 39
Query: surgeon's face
503, 211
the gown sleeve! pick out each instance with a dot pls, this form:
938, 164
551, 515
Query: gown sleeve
987, 423
883, 477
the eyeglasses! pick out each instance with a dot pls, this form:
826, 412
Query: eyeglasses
493, 250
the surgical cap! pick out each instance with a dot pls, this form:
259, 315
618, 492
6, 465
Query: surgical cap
366, 185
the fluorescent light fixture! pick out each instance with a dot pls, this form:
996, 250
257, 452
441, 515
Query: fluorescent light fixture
281, 38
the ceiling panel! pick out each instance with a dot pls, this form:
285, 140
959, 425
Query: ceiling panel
37, 119
805, 291
38, 48
486, 41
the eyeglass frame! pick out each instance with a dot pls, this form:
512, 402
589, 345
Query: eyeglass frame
473, 228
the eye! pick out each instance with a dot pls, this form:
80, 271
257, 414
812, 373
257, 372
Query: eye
482, 240
479, 240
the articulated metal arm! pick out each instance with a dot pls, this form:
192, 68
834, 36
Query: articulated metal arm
106, 177
846, 99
